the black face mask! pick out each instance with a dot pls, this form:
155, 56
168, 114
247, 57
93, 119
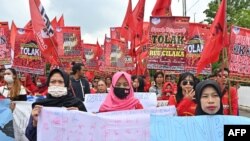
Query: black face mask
121, 93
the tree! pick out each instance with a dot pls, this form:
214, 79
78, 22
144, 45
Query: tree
238, 12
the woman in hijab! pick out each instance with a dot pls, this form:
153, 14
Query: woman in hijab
58, 96
121, 95
209, 98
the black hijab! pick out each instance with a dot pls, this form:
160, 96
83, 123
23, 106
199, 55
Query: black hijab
198, 92
64, 101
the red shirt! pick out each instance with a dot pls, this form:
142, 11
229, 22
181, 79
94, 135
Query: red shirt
185, 107
234, 102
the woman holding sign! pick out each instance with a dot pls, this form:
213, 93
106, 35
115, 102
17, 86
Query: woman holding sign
58, 96
184, 100
121, 95
209, 98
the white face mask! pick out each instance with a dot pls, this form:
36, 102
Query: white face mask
38, 84
8, 78
57, 91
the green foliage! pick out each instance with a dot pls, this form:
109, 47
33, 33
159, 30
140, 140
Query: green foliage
238, 12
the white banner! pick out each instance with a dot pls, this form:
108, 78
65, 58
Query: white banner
21, 116
94, 101
59, 124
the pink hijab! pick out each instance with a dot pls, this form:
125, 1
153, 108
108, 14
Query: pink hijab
113, 103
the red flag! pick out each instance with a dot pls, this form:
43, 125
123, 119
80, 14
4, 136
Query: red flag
216, 40
28, 25
54, 23
13, 35
128, 23
138, 14
99, 50
162, 8
43, 32
61, 21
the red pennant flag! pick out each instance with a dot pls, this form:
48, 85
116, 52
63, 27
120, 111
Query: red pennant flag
13, 35
61, 21
216, 40
54, 23
138, 14
128, 23
43, 32
99, 49
28, 25
162, 8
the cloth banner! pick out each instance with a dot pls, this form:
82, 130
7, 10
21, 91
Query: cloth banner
94, 101
4, 44
168, 40
196, 128
21, 117
6, 121
59, 124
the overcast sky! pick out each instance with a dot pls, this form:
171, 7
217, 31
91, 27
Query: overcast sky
94, 16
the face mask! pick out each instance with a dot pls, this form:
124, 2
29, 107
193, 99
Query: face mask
8, 78
57, 91
121, 93
38, 84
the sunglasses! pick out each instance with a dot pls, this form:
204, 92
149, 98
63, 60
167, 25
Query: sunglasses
185, 82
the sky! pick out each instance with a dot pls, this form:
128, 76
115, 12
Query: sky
95, 17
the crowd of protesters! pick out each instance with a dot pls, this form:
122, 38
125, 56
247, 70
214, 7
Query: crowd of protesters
185, 91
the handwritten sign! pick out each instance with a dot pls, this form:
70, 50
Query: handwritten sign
93, 101
6, 128
161, 103
59, 124
21, 116
196, 128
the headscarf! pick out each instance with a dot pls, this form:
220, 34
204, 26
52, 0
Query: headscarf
28, 83
165, 90
198, 92
64, 101
113, 103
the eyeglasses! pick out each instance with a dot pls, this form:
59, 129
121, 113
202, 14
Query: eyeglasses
185, 82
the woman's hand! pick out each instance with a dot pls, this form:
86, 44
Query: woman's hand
35, 113
190, 94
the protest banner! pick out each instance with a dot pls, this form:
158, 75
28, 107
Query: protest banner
168, 37
6, 121
197, 37
4, 43
62, 125
239, 56
90, 52
27, 54
93, 101
196, 128
21, 116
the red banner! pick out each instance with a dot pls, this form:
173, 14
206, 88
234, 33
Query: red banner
115, 33
197, 37
167, 43
27, 55
91, 56
239, 52
44, 32
4, 44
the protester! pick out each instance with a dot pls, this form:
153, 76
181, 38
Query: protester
2, 83
13, 88
101, 86
167, 90
159, 81
121, 95
42, 88
138, 84
222, 76
79, 86
208, 98
108, 82
94, 85
58, 96
184, 100
28, 84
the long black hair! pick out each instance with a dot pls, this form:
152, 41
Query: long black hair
198, 93
141, 83
179, 95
